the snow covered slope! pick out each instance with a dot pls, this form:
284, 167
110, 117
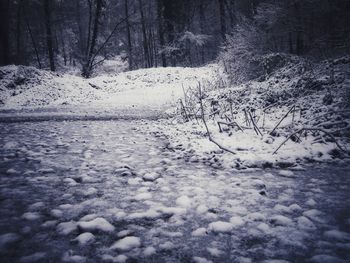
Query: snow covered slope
300, 98
156, 87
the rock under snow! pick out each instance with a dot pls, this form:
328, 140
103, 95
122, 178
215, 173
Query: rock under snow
127, 243
214, 251
314, 215
69, 257
97, 224
85, 239
8, 238
150, 177
280, 220
256, 216
31, 216
36, 257
325, 258
201, 209
184, 201
66, 228
236, 221
221, 227
287, 173
337, 235
149, 251
167, 245
305, 223
199, 232
201, 260
143, 196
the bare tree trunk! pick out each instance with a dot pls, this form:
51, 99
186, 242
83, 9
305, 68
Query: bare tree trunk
88, 63
231, 7
34, 45
290, 42
144, 35
130, 59
4, 33
299, 38
154, 47
150, 47
80, 28
160, 30
201, 24
222, 19
64, 53
19, 33
49, 34
88, 41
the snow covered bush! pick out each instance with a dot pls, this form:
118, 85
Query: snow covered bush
16, 78
240, 53
194, 39
185, 48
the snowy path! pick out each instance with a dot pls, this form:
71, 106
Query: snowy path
110, 191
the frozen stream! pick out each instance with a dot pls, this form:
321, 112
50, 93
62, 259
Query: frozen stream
110, 191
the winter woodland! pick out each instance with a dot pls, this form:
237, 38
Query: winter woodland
175, 131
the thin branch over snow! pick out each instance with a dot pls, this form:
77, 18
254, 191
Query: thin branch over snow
311, 129
205, 123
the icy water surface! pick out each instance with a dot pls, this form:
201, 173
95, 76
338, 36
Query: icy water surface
110, 191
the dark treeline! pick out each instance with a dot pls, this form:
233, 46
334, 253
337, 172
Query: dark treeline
150, 33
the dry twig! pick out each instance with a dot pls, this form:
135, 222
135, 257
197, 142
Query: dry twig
311, 129
206, 126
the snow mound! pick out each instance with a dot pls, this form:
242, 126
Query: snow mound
305, 223
236, 221
286, 173
143, 196
36, 257
184, 201
66, 228
279, 220
337, 235
69, 257
85, 239
97, 224
8, 238
199, 232
326, 258
127, 243
148, 251
150, 177
31, 216
201, 260
221, 227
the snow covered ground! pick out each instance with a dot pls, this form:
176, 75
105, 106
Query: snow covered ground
26, 87
116, 191
31, 94
94, 188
